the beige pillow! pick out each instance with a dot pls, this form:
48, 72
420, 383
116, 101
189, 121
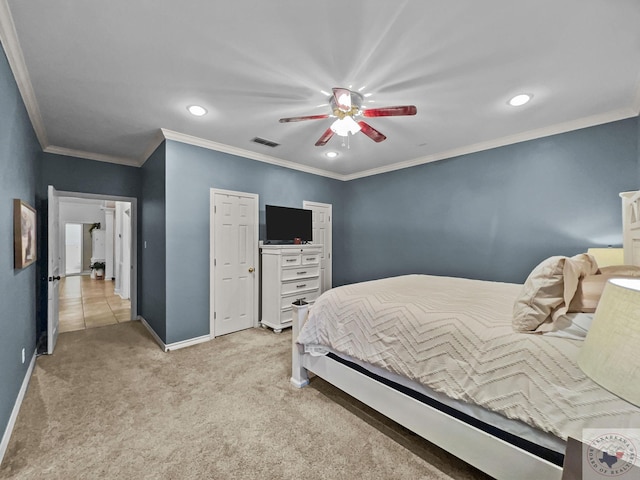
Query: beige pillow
591, 286
548, 291
627, 270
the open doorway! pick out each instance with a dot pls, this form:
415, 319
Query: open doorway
97, 252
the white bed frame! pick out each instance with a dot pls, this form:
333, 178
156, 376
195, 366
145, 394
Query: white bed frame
490, 454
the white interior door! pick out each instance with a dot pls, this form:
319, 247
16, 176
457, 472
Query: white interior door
234, 261
322, 235
72, 248
53, 270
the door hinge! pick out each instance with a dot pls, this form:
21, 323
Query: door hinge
214, 315
214, 262
215, 209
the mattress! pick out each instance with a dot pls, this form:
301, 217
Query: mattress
454, 336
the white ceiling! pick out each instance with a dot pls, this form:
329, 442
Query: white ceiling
101, 79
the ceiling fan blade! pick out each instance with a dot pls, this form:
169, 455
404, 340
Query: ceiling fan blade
371, 132
342, 97
326, 136
300, 119
390, 111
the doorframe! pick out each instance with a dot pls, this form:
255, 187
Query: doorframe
256, 277
308, 205
133, 294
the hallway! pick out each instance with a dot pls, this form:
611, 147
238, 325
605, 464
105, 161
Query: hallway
88, 303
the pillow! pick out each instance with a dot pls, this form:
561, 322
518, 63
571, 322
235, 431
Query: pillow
590, 287
572, 325
627, 270
548, 290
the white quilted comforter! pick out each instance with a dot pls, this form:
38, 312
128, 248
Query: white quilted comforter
454, 335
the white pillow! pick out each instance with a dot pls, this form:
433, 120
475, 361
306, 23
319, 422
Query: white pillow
571, 325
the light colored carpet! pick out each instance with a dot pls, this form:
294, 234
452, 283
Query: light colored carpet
110, 404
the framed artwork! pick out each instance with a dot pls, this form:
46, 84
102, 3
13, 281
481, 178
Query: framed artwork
24, 234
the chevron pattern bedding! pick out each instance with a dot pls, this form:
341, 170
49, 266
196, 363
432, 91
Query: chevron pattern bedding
455, 336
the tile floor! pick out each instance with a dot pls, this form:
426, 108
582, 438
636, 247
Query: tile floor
88, 303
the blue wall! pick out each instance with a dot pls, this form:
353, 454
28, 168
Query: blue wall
493, 214
152, 305
88, 176
18, 158
190, 173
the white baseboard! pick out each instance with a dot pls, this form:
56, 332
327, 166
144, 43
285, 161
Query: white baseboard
16, 408
176, 345
187, 343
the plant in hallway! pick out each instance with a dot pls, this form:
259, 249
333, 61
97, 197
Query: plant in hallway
98, 269
93, 227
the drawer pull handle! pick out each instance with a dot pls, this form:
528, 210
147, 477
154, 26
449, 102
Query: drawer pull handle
301, 286
311, 259
300, 273
291, 260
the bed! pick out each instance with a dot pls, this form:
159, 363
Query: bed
448, 365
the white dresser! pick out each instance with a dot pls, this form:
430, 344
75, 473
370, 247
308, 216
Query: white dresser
289, 273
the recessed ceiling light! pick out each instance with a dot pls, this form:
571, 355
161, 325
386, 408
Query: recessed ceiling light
520, 100
197, 110
331, 154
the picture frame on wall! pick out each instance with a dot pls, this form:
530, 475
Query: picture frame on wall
24, 234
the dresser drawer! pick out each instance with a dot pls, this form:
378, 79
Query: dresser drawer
302, 272
310, 258
302, 285
290, 260
309, 297
286, 316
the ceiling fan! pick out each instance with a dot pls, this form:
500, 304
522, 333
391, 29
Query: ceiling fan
345, 105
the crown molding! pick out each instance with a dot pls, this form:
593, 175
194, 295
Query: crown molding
70, 152
158, 139
501, 142
220, 147
9, 39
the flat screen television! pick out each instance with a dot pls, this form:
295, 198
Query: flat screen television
284, 224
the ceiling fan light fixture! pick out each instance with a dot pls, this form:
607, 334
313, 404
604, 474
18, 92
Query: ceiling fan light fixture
331, 154
345, 126
520, 99
197, 110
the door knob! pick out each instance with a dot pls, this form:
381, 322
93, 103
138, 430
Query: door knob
251, 269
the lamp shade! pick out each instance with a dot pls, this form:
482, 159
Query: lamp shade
610, 351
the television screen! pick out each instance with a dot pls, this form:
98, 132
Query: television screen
284, 224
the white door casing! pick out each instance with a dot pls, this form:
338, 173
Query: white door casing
233, 261
131, 271
117, 259
322, 235
53, 269
125, 285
